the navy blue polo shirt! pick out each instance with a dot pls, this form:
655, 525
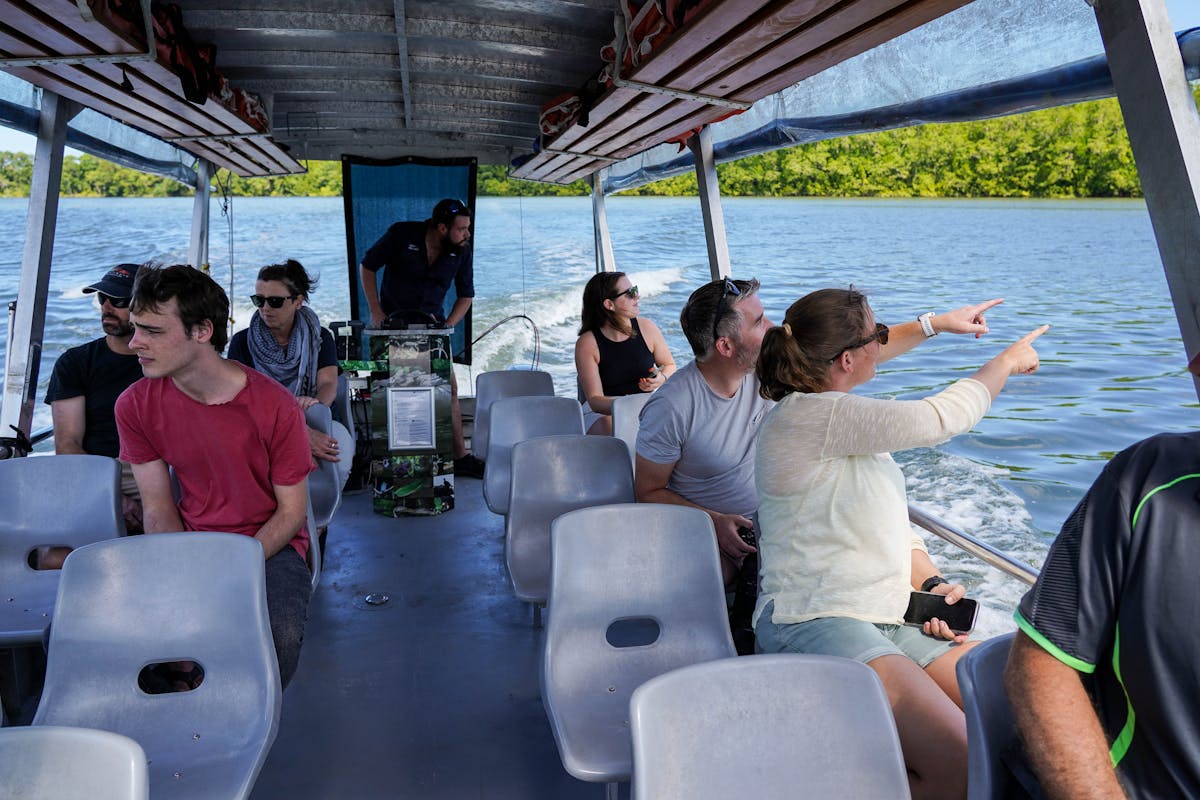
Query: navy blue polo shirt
1119, 600
409, 280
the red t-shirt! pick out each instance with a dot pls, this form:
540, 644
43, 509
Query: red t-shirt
226, 456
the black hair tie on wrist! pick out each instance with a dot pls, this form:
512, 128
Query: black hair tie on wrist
932, 581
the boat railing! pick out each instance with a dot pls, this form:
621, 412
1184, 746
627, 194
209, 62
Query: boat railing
981, 550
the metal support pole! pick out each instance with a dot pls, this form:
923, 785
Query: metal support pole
1164, 131
710, 203
605, 261
25, 355
198, 247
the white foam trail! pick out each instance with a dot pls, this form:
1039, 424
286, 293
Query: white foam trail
974, 497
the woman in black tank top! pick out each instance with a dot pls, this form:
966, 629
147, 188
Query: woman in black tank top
618, 352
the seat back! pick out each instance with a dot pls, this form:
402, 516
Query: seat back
325, 483
626, 413
71, 764
515, 419
990, 727
635, 591
552, 475
69, 500
492, 386
127, 603
343, 412
784, 726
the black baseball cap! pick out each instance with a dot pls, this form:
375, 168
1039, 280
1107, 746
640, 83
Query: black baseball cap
446, 210
117, 282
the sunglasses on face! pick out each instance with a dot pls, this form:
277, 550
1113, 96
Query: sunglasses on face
273, 302
880, 335
730, 290
631, 292
115, 302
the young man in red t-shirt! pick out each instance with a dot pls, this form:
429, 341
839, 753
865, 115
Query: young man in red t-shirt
236, 439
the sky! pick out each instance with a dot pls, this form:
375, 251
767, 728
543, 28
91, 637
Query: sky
1183, 13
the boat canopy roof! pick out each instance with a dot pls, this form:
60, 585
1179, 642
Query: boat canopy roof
393, 78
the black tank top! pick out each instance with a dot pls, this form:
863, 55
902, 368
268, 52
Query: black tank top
622, 364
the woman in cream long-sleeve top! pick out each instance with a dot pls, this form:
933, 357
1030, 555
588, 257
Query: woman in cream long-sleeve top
839, 557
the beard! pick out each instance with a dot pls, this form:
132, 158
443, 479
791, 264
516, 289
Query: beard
113, 326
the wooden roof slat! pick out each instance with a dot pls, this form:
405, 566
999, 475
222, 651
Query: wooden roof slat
157, 106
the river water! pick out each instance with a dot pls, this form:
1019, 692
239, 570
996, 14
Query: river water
1112, 363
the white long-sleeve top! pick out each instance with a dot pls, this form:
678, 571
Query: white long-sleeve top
834, 536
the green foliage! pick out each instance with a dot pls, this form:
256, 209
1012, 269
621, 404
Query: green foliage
1072, 151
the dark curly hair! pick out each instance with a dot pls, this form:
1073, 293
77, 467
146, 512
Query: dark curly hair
822, 324
291, 274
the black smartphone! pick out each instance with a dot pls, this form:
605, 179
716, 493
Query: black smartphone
924, 606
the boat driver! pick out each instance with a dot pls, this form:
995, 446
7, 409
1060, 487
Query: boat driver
420, 260
88, 379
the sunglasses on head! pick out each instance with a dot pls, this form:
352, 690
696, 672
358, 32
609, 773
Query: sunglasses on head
115, 302
880, 334
632, 292
273, 302
730, 290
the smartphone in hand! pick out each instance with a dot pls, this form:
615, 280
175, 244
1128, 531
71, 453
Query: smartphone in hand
924, 606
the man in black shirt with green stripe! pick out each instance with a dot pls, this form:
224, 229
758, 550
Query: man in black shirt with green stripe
1103, 677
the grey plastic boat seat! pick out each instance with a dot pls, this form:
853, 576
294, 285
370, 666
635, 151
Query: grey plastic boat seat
552, 475
626, 414
343, 412
71, 764
990, 727
69, 500
314, 547
497, 384
515, 419
635, 591
127, 603
324, 483
782, 725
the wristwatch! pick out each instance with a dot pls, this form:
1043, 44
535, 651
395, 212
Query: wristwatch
932, 581
926, 321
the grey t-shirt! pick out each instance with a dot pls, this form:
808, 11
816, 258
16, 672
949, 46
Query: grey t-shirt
709, 438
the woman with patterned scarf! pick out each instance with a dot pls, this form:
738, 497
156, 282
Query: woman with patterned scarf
285, 340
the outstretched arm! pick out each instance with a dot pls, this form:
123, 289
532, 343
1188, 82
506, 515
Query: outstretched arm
1062, 735
968, 319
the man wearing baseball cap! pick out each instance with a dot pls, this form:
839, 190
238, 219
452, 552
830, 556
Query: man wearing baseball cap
87, 380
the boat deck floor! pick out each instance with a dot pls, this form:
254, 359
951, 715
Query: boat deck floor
431, 695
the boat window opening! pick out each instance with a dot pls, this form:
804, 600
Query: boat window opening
47, 557
633, 632
171, 677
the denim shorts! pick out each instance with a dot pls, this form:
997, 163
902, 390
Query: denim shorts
848, 638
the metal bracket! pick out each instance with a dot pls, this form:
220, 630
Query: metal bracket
91, 58
650, 88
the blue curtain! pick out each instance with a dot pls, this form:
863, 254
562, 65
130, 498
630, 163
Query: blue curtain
377, 194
